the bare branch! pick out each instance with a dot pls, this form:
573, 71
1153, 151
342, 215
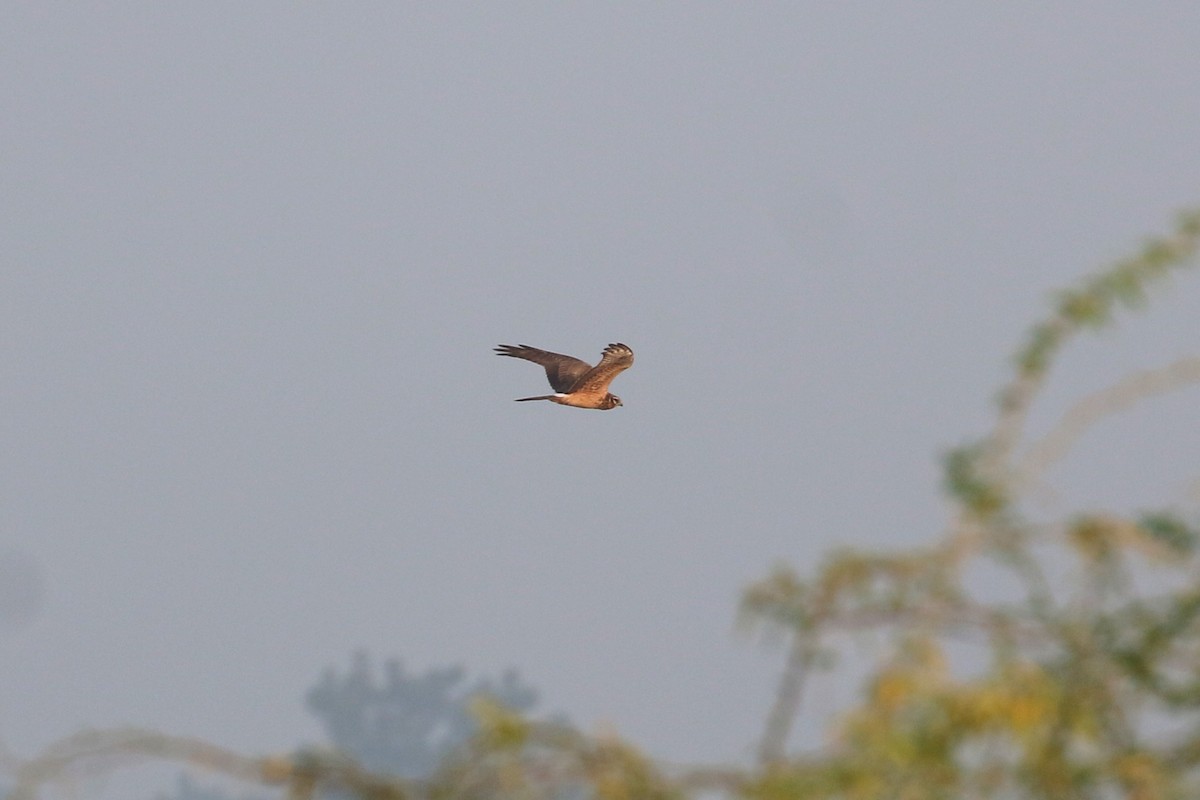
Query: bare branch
787, 700
1109, 401
100, 752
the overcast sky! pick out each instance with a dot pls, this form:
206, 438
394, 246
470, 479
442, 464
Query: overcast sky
255, 258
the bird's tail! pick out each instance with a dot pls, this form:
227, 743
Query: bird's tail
543, 397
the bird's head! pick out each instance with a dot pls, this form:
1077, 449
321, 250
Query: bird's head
612, 401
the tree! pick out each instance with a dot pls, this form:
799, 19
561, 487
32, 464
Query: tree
1090, 688
406, 724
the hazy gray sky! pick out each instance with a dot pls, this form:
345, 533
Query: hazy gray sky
255, 258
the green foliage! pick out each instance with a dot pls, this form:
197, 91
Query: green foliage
1093, 303
1083, 688
1170, 531
965, 481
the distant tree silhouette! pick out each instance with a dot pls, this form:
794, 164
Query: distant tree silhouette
402, 723
398, 724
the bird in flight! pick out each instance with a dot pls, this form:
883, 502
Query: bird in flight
576, 383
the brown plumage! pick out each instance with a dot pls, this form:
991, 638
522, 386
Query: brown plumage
576, 383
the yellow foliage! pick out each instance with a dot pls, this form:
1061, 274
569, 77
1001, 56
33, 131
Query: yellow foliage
275, 769
500, 727
1028, 713
891, 691
1142, 776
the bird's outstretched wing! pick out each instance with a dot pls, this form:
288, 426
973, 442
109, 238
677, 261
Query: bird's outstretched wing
563, 372
617, 358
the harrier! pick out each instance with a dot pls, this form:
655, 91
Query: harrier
576, 383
